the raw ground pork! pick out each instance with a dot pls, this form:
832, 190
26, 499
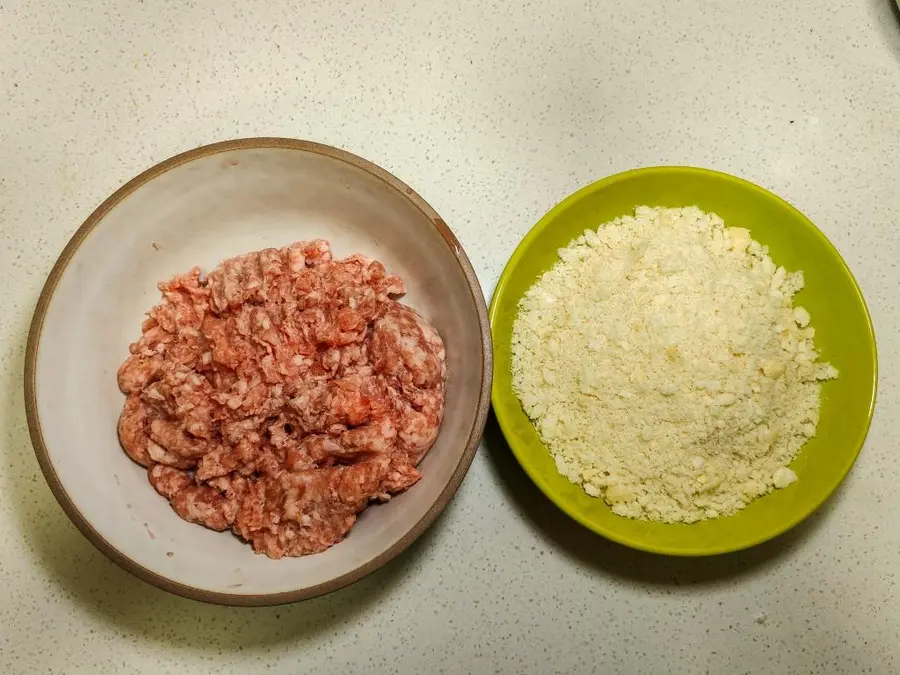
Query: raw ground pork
281, 394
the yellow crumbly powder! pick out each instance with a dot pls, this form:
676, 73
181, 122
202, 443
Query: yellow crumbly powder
664, 365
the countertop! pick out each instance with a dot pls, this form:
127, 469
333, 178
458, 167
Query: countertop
493, 112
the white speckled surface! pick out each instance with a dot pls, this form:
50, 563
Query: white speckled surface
492, 114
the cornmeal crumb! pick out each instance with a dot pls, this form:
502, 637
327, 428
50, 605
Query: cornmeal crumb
666, 368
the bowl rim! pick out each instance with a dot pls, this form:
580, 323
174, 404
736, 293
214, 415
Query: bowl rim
498, 396
59, 267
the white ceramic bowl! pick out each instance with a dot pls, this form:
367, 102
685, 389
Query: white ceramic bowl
197, 209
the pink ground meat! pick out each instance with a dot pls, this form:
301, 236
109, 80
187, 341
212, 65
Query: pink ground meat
281, 394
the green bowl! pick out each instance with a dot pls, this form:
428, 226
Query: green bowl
844, 336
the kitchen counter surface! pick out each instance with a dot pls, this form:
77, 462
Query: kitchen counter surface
493, 112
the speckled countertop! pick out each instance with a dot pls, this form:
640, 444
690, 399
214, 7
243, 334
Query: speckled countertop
493, 113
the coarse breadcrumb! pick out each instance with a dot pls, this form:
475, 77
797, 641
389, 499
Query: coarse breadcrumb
665, 366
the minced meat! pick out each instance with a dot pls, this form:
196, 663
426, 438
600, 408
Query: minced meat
281, 394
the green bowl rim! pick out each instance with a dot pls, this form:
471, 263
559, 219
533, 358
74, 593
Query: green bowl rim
496, 395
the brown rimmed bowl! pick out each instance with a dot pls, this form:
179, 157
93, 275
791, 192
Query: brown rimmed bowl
199, 208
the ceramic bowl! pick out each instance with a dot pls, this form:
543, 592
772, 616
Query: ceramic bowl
844, 336
197, 209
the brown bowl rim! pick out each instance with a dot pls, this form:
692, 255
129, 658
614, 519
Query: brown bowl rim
34, 336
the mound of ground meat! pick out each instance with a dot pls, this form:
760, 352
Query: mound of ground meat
281, 394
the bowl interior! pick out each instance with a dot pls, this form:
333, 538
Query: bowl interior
844, 336
199, 212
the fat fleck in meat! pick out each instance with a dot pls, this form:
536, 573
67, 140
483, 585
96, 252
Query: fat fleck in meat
282, 394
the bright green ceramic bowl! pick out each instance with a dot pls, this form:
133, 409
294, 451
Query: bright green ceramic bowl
844, 336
